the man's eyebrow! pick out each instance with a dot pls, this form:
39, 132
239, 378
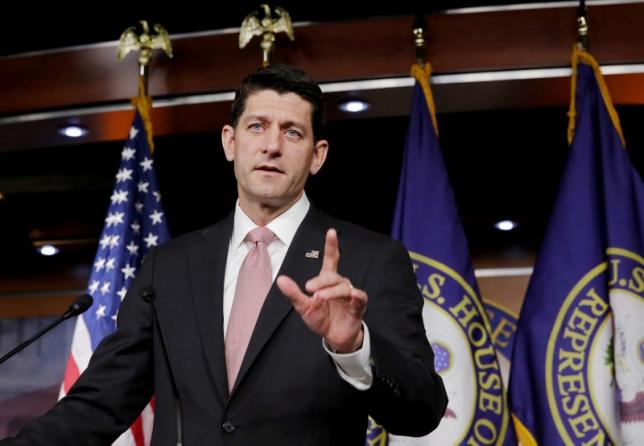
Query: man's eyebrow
283, 125
296, 124
262, 118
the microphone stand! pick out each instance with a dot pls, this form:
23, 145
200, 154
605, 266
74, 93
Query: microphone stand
149, 295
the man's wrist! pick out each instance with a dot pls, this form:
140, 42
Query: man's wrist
354, 368
348, 348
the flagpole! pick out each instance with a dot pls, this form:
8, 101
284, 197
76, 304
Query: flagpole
418, 29
422, 69
582, 26
600, 188
427, 222
135, 224
144, 42
580, 54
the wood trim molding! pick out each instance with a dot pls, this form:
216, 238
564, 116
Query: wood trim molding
360, 49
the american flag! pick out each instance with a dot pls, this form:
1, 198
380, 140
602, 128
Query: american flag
135, 222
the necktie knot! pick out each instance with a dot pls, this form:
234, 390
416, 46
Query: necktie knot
260, 234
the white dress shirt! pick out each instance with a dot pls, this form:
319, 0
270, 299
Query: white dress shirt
352, 367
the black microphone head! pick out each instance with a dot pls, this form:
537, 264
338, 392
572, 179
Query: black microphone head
80, 305
148, 294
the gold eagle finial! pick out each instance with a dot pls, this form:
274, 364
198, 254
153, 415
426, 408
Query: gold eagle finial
144, 42
266, 27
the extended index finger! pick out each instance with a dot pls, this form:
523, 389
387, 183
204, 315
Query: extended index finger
331, 252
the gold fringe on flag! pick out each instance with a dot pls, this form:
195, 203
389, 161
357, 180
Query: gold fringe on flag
523, 434
580, 56
422, 76
143, 103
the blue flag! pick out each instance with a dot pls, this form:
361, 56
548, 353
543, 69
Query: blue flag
376, 434
503, 325
428, 224
578, 361
135, 223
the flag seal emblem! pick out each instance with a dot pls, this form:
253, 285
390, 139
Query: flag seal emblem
590, 403
458, 332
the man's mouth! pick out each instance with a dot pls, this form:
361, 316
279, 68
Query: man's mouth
269, 168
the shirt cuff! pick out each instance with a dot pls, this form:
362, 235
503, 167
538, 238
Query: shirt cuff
354, 367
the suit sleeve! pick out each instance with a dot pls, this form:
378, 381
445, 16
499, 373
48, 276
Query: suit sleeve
407, 396
115, 387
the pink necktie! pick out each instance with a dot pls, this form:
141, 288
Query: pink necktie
253, 282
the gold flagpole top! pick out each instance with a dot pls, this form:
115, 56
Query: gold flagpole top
144, 43
422, 69
582, 26
267, 27
418, 29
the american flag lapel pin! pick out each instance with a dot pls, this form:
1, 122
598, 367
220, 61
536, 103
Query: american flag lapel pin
313, 254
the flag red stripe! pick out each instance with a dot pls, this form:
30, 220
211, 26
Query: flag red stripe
137, 432
71, 373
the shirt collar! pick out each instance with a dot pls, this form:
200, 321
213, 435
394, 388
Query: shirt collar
284, 226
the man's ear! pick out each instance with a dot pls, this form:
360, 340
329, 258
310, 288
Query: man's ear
228, 141
319, 155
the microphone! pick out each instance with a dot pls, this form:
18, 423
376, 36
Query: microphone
149, 296
77, 307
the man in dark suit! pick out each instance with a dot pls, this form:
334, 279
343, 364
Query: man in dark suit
256, 330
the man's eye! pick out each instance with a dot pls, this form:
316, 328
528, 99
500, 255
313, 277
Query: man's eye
256, 126
293, 133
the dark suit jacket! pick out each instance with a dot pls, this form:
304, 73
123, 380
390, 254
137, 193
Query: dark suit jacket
288, 391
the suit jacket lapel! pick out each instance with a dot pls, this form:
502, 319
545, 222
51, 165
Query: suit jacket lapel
207, 266
300, 267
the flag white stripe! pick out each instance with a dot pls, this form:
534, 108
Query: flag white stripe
81, 345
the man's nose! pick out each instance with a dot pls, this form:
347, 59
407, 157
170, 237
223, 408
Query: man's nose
273, 141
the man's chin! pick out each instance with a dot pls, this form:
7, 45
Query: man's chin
276, 199
269, 197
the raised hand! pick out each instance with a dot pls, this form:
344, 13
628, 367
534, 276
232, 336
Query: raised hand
335, 309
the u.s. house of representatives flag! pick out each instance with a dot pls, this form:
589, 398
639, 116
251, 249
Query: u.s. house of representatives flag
427, 223
578, 363
503, 325
135, 222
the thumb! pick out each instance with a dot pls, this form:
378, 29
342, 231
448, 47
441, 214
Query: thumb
290, 289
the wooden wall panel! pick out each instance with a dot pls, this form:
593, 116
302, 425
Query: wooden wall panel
359, 49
